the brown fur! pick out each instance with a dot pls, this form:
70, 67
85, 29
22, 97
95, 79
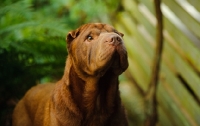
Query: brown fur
87, 94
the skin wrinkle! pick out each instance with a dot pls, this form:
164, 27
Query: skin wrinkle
89, 55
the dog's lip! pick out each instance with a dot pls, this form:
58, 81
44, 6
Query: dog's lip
115, 62
122, 56
107, 53
113, 52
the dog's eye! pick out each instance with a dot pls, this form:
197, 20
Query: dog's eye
89, 38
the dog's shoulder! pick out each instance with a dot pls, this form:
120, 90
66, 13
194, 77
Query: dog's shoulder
37, 94
39, 90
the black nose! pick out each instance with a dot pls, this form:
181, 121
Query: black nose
114, 40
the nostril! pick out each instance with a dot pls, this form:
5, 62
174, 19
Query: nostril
114, 40
118, 39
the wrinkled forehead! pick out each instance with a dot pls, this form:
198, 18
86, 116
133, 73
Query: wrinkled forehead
98, 27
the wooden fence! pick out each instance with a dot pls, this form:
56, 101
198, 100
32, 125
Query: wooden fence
178, 91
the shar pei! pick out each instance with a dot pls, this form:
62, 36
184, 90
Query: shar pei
88, 92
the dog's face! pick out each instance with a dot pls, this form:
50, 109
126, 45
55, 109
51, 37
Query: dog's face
96, 48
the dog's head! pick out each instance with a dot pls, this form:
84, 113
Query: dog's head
95, 48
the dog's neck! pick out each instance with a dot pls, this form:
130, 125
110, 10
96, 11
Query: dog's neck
96, 95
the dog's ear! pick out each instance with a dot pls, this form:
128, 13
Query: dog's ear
121, 34
71, 36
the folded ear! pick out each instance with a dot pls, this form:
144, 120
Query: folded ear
121, 34
71, 36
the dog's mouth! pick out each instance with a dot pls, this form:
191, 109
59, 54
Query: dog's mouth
116, 58
120, 62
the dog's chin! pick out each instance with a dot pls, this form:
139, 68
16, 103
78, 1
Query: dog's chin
112, 64
112, 59
116, 64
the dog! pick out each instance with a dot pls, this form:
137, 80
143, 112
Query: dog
88, 93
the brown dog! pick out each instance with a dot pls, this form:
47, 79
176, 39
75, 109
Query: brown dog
87, 94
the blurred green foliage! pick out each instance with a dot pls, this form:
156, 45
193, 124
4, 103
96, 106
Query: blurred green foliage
32, 41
